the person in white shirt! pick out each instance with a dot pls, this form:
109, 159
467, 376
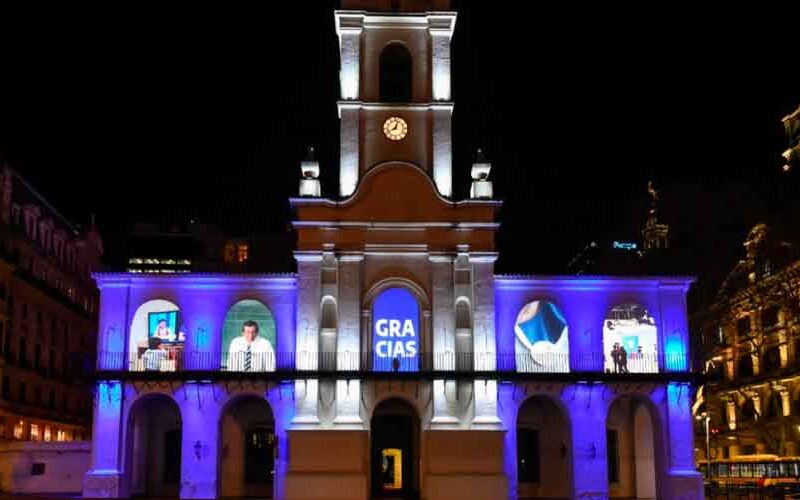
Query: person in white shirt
249, 352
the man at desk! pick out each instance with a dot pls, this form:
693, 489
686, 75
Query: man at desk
249, 352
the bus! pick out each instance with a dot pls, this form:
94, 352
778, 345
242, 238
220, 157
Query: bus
761, 470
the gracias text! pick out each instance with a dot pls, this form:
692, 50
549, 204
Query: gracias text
390, 329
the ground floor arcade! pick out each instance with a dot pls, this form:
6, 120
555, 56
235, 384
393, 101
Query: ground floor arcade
401, 439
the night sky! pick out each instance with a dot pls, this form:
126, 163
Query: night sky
174, 113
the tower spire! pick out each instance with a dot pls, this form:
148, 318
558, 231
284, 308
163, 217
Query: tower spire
654, 234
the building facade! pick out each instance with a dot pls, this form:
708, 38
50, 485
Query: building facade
750, 340
48, 317
394, 362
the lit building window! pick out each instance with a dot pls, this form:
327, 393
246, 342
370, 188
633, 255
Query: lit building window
241, 253
34, 432
47, 435
19, 427
228, 252
61, 435
135, 260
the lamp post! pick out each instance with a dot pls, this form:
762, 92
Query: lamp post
706, 418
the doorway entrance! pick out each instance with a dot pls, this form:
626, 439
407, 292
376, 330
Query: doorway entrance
247, 449
394, 435
154, 447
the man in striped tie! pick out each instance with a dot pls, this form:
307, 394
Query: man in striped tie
249, 352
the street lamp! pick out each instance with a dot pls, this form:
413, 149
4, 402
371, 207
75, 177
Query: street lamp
706, 418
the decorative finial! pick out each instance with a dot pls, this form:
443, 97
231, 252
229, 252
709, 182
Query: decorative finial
309, 182
481, 185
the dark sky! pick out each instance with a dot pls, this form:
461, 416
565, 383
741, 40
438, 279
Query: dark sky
138, 114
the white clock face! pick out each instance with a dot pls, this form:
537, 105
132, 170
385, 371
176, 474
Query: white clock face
395, 128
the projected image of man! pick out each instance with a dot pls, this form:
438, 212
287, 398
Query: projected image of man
249, 352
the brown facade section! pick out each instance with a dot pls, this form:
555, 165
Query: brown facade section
396, 207
416, 147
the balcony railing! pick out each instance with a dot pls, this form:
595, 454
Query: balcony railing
241, 362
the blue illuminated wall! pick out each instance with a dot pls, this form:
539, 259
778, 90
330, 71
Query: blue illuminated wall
204, 301
584, 303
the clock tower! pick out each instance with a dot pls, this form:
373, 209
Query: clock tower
395, 88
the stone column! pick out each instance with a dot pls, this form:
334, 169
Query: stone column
588, 411
349, 27
306, 351
685, 481
308, 303
483, 335
349, 314
440, 62
443, 148
200, 441
348, 392
349, 152
350, 57
674, 330
113, 324
105, 477
443, 316
483, 312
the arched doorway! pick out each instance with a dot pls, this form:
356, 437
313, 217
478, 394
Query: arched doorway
631, 450
394, 436
153, 455
247, 449
543, 443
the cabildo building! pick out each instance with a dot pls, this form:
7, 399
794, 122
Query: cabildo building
394, 362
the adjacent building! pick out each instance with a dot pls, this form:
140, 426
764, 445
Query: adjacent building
747, 343
394, 362
750, 340
48, 317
